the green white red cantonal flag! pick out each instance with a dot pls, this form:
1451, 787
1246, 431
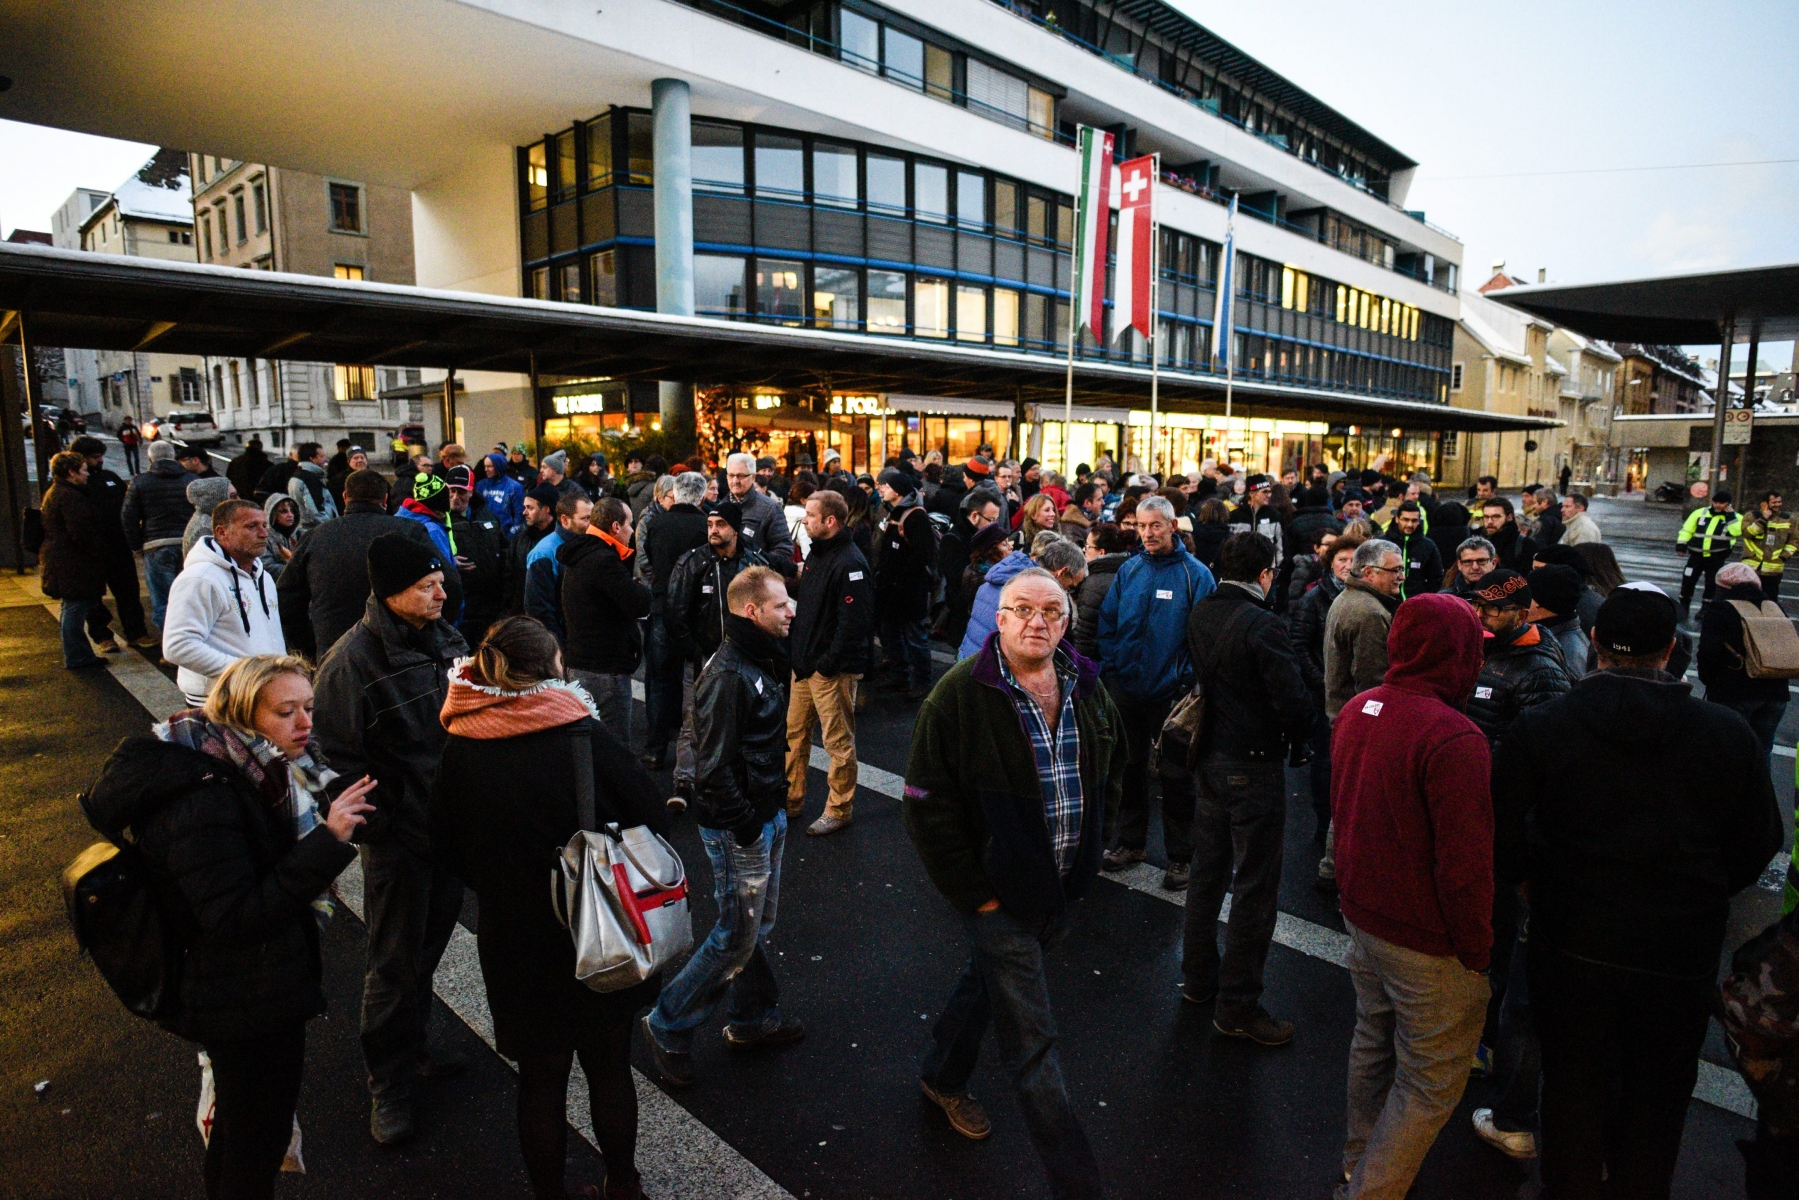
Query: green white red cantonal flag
1136, 236
1092, 220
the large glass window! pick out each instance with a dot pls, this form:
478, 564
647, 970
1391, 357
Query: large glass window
780, 293
780, 166
930, 303
1005, 206
886, 302
971, 200
565, 165
971, 313
886, 184
834, 174
1036, 221
903, 55
717, 157
860, 39
718, 286
537, 179
571, 282
930, 192
939, 72
602, 269
1005, 317
837, 297
599, 152
640, 144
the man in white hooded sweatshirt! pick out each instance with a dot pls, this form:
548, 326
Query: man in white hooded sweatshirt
222, 606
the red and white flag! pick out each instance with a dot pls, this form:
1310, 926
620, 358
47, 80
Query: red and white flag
1136, 240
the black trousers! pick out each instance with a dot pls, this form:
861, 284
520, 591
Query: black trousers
412, 906
257, 1083
1701, 566
1620, 1056
121, 580
1238, 826
1142, 725
1771, 585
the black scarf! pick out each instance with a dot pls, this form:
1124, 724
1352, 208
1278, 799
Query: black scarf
766, 651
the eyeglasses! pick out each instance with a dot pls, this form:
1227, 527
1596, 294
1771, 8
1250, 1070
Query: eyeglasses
1388, 570
1482, 561
1025, 613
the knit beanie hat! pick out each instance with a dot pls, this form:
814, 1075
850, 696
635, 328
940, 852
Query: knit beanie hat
557, 462
545, 494
397, 561
731, 513
1556, 588
207, 494
432, 492
900, 481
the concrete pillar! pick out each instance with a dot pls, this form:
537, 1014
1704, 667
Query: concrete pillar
672, 139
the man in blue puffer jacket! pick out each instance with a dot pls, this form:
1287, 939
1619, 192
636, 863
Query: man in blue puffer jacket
983, 615
1145, 666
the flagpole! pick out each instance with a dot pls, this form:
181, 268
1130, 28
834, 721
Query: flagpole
1076, 266
1155, 283
1074, 293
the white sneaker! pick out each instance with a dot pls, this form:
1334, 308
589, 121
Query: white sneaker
1512, 1145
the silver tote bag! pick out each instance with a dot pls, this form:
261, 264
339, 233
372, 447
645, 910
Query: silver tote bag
622, 895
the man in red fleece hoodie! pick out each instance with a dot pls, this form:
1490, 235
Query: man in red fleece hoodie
1414, 820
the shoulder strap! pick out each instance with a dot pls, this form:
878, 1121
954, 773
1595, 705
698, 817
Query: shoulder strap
582, 744
1224, 636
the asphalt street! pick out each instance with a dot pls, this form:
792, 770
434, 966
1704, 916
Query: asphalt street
865, 952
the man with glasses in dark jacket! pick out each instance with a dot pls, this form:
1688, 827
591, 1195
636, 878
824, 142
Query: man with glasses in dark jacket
740, 735
830, 653
1258, 722
1630, 813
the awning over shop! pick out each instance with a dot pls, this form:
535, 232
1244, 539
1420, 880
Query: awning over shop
69, 298
1673, 310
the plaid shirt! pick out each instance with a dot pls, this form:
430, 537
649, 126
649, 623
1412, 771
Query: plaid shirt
1058, 754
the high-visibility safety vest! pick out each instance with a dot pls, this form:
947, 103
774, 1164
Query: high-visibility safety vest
1768, 542
1710, 533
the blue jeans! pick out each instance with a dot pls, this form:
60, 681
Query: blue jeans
161, 565
76, 651
732, 963
1004, 986
907, 646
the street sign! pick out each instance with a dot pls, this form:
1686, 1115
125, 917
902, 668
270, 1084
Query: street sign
1738, 424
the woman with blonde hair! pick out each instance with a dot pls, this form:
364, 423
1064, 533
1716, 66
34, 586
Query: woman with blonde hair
502, 808
1039, 513
243, 827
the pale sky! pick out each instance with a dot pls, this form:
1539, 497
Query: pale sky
1517, 90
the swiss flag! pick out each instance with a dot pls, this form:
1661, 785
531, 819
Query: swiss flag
1136, 190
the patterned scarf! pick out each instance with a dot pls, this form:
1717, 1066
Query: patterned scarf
255, 758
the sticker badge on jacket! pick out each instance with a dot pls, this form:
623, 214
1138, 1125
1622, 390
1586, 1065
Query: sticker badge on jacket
1483, 693
1161, 594
1372, 707
855, 575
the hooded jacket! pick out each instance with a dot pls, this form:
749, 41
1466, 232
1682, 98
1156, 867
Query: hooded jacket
1143, 624
1410, 800
205, 494
234, 881
503, 495
835, 615
309, 491
324, 589
973, 803
218, 613
272, 562
377, 699
1355, 643
983, 614
432, 522
1635, 811
156, 507
1523, 669
740, 730
601, 604
1090, 597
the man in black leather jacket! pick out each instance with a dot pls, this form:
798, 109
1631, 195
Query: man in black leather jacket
1524, 666
740, 734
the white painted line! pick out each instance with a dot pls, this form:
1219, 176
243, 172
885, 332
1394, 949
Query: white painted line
136, 674
676, 1153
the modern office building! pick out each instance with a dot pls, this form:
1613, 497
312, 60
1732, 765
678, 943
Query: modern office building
902, 179
263, 218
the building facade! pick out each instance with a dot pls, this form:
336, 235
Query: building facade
149, 215
257, 217
1587, 377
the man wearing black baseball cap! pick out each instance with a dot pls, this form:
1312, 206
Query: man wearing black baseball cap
378, 696
1630, 812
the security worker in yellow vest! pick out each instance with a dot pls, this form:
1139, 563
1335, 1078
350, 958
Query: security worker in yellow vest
1708, 537
1769, 539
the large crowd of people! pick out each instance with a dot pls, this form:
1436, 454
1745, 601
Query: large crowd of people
1531, 827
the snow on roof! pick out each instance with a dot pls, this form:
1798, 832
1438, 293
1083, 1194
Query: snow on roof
136, 198
1499, 328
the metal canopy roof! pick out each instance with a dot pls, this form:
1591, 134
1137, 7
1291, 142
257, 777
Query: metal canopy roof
1674, 310
106, 302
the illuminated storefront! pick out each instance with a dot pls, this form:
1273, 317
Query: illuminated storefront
866, 429
583, 410
1261, 445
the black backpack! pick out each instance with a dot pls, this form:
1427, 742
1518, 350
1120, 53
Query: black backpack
119, 921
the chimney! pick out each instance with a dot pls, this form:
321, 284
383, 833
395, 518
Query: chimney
1542, 274
1499, 266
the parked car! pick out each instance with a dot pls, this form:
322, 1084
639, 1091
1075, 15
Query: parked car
192, 428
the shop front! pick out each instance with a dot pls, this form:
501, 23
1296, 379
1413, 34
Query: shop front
583, 411
1260, 445
866, 429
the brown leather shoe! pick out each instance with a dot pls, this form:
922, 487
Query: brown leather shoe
966, 1116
